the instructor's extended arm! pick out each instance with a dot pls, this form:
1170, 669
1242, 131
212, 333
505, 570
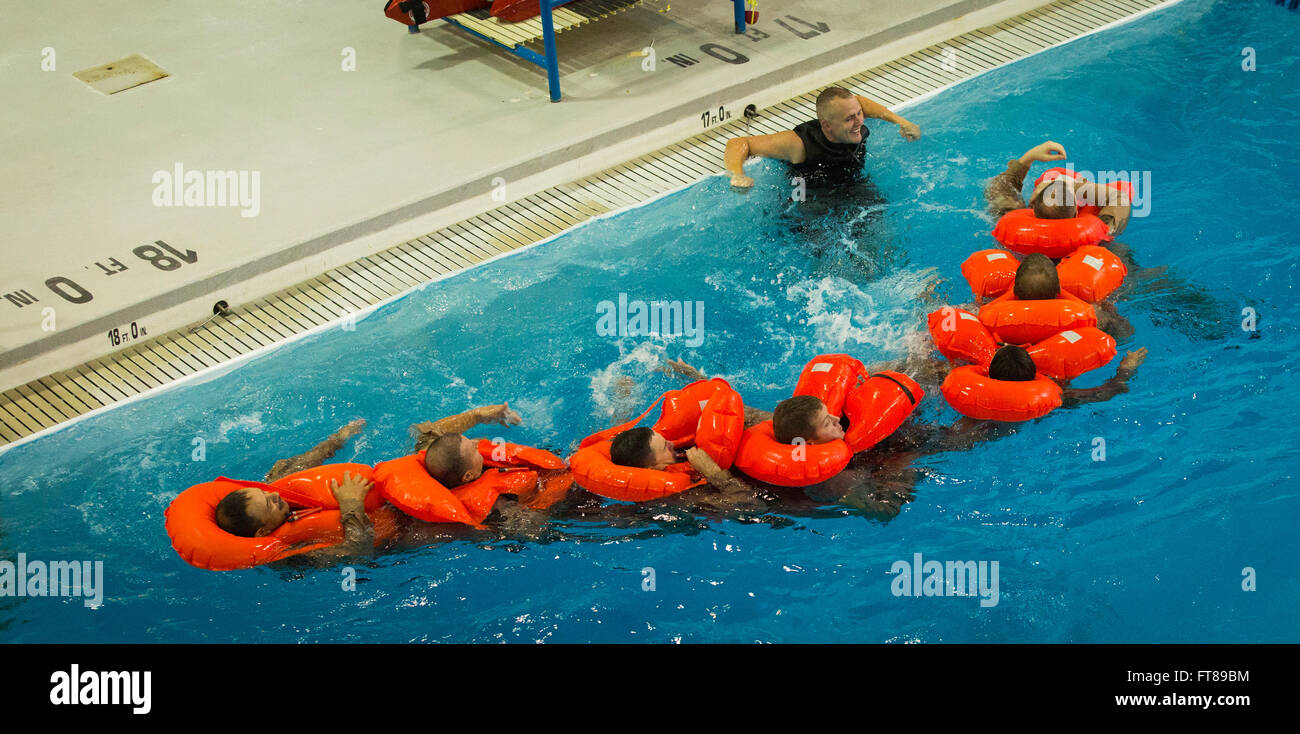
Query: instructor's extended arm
877, 111
785, 146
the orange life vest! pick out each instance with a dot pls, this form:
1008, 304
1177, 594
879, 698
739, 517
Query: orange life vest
876, 406
960, 335
764, 458
1013, 321
1062, 356
708, 414
680, 416
829, 377
595, 471
971, 392
191, 519
1021, 231
508, 469
1091, 272
1073, 352
990, 272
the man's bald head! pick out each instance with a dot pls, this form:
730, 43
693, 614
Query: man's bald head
841, 115
827, 99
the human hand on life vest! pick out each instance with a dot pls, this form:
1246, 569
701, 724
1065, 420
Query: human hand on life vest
354, 488
1048, 151
702, 462
741, 181
909, 130
499, 414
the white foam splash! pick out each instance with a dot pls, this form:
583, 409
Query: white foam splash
881, 319
251, 423
618, 391
538, 413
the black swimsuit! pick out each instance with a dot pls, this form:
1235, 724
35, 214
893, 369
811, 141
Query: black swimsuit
824, 160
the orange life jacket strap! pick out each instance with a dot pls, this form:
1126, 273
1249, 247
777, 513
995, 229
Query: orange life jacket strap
609, 433
297, 515
906, 390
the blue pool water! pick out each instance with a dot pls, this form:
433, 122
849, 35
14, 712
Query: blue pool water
1147, 546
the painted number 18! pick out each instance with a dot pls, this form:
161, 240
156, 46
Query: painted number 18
155, 256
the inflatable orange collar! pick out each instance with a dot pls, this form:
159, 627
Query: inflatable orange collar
192, 520
707, 414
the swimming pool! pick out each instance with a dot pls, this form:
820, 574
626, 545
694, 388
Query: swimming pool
1149, 545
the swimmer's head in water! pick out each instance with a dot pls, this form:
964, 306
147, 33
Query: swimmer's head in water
1012, 363
1054, 200
642, 448
806, 417
1036, 279
840, 114
453, 460
251, 512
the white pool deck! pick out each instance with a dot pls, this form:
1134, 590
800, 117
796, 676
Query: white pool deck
360, 137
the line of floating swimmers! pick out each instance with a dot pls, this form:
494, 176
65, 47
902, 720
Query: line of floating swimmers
1011, 357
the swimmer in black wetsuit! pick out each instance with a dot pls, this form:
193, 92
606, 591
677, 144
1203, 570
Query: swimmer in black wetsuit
838, 212
833, 143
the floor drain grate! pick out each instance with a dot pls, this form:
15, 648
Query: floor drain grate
116, 76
